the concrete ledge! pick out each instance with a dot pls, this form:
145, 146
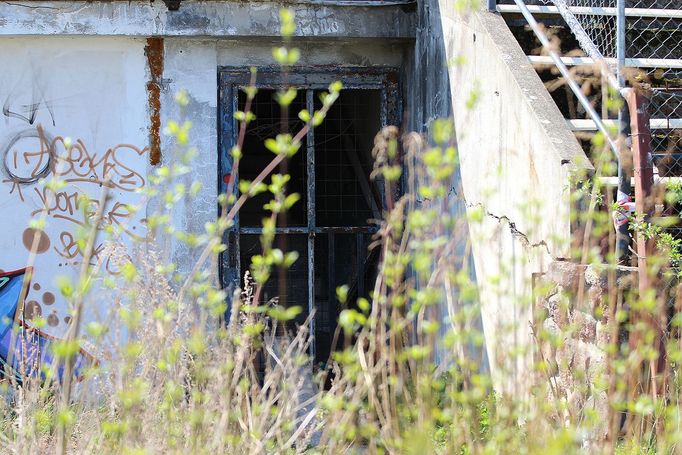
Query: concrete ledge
218, 19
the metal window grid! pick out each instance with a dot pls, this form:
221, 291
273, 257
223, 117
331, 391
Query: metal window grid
309, 81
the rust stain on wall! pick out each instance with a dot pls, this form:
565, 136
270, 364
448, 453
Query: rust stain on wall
154, 52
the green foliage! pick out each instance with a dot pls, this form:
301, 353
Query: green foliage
408, 374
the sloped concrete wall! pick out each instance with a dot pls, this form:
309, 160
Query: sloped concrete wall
516, 157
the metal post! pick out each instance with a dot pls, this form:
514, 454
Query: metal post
310, 207
620, 40
644, 206
624, 161
492, 5
644, 176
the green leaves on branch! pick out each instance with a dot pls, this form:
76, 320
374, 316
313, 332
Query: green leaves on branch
65, 349
182, 98
282, 314
287, 25
247, 187
250, 90
247, 117
285, 97
283, 144
179, 132
304, 115
285, 56
351, 320
280, 206
261, 264
442, 131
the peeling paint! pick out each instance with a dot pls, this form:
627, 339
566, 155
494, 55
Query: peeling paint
205, 18
154, 52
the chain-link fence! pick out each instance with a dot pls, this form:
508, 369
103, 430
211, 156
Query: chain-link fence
665, 111
642, 40
653, 38
596, 33
636, 43
650, 31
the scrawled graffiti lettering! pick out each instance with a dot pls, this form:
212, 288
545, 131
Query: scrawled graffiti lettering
78, 208
62, 204
320, 24
68, 247
27, 112
31, 155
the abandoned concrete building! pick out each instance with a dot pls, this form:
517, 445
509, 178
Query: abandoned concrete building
105, 73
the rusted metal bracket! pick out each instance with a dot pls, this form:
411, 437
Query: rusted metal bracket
154, 52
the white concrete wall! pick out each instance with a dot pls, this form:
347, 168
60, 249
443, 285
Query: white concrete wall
91, 90
516, 156
515, 150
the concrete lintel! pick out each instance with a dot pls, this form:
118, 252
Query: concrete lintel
213, 18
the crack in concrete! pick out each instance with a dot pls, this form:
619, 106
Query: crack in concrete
500, 218
515, 232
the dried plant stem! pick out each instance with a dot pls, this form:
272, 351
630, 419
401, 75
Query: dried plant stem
77, 306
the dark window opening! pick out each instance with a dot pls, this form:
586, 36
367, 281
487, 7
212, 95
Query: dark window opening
332, 225
268, 123
343, 145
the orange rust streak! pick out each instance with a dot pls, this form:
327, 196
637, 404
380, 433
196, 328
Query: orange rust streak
154, 53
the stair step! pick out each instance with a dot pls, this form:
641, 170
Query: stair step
658, 180
654, 124
668, 63
595, 11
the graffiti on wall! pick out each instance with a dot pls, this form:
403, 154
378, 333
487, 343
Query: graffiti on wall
30, 155
25, 163
92, 91
44, 101
24, 349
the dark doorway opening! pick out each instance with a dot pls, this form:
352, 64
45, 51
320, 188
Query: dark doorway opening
332, 225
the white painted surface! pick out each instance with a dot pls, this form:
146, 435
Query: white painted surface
92, 91
516, 153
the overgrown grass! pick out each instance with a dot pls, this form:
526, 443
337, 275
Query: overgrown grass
176, 377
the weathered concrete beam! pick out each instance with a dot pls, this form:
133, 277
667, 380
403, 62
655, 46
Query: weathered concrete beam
201, 19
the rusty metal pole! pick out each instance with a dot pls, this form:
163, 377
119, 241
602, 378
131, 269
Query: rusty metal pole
644, 177
644, 206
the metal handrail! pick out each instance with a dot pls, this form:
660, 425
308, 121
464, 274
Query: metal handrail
563, 69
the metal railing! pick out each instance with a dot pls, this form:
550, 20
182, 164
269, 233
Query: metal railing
636, 43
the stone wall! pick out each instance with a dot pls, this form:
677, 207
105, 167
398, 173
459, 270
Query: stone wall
573, 330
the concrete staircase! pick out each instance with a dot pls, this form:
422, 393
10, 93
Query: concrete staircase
654, 51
